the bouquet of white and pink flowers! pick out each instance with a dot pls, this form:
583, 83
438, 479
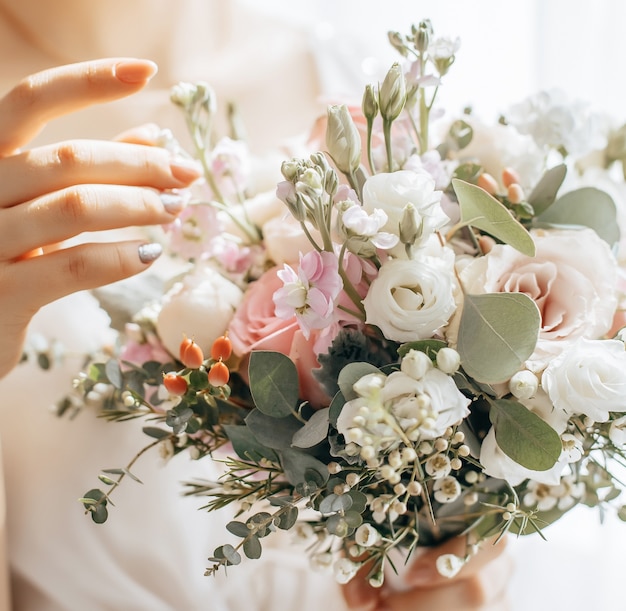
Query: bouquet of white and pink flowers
416, 335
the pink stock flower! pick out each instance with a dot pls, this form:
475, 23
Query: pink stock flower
310, 293
192, 232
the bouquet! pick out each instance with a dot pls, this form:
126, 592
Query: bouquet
415, 335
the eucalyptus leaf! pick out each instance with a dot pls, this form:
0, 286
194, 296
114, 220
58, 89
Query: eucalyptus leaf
523, 436
314, 431
239, 529
351, 374
336, 405
586, 207
246, 445
497, 333
545, 191
300, 467
274, 433
273, 383
481, 210
252, 548
155, 432
114, 373
287, 518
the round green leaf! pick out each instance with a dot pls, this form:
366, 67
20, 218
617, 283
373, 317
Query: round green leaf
314, 431
351, 374
523, 436
273, 383
497, 333
485, 212
252, 548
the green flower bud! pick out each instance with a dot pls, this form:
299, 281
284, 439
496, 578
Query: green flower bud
422, 35
392, 95
411, 225
370, 103
343, 140
290, 169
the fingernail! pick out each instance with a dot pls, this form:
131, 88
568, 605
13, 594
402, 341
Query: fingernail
172, 202
134, 71
184, 170
149, 252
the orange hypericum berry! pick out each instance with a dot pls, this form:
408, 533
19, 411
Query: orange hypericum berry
175, 384
191, 354
218, 374
222, 348
488, 183
510, 177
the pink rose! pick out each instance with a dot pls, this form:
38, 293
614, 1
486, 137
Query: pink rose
255, 326
572, 279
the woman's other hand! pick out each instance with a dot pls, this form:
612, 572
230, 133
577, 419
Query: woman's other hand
53, 193
479, 586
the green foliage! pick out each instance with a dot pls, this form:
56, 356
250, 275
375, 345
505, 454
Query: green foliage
351, 374
95, 503
523, 436
273, 383
485, 212
497, 333
545, 191
246, 445
585, 207
314, 431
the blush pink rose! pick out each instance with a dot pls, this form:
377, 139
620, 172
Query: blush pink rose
572, 279
255, 326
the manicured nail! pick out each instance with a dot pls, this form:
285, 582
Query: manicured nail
133, 71
149, 252
184, 170
172, 202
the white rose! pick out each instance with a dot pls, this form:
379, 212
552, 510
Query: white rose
200, 306
588, 378
497, 464
410, 299
391, 192
572, 279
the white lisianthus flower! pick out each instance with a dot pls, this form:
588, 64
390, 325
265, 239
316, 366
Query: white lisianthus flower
588, 378
200, 306
366, 535
432, 404
410, 300
391, 192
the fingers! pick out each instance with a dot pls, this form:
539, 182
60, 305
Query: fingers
484, 590
33, 173
58, 216
359, 594
41, 97
30, 283
148, 135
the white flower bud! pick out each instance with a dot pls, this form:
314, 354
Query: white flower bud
352, 479
448, 360
524, 384
344, 570
415, 364
392, 94
343, 140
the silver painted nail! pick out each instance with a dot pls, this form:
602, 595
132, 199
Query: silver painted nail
172, 202
150, 252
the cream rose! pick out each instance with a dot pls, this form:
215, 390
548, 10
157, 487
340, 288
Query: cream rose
572, 279
200, 306
410, 299
285, 239
588, 378
391, 192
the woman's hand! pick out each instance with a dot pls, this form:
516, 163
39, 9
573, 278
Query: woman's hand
53, 193
479, 586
